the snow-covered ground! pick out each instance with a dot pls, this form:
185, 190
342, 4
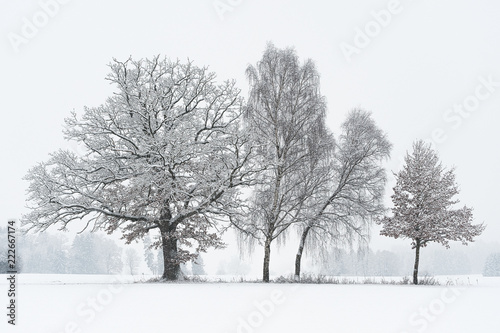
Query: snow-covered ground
85, 303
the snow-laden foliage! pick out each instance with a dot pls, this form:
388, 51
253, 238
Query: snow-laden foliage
284, 111
164, 152
424, 204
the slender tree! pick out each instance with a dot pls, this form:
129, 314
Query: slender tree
284, 109
492, 265
111, 255
149, 255
424, 205
3, 251
198, 266
159, 259
165, 152
132, 260
84, 256
347, 184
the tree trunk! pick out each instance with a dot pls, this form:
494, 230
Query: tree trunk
267, 258
171, 265
298, 258
417, 258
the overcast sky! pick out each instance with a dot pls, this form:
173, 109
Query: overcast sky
424, 68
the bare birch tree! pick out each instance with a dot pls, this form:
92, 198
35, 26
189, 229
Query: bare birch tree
165, 152
348, 185
285, 107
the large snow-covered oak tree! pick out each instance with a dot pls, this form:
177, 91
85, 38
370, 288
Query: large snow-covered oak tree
165, 152
424, 206
348, 184
284, 111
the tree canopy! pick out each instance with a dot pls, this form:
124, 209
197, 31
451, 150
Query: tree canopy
164, 152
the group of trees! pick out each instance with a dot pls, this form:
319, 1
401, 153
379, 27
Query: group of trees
174, 152
3, 250
363, 262
89, 253
326, 189
92, 253
233, 266
438, 261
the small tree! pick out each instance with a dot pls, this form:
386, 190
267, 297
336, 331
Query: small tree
3, 250
424, 206
111, 255
83, 255
148, 255
132, 260
198, 266
159, 259
492, 265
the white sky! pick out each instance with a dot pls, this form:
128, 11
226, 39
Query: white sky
431, 56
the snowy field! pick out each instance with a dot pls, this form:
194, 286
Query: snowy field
84, 303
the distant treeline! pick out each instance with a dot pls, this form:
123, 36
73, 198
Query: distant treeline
88, 253
479, 258
93, 253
